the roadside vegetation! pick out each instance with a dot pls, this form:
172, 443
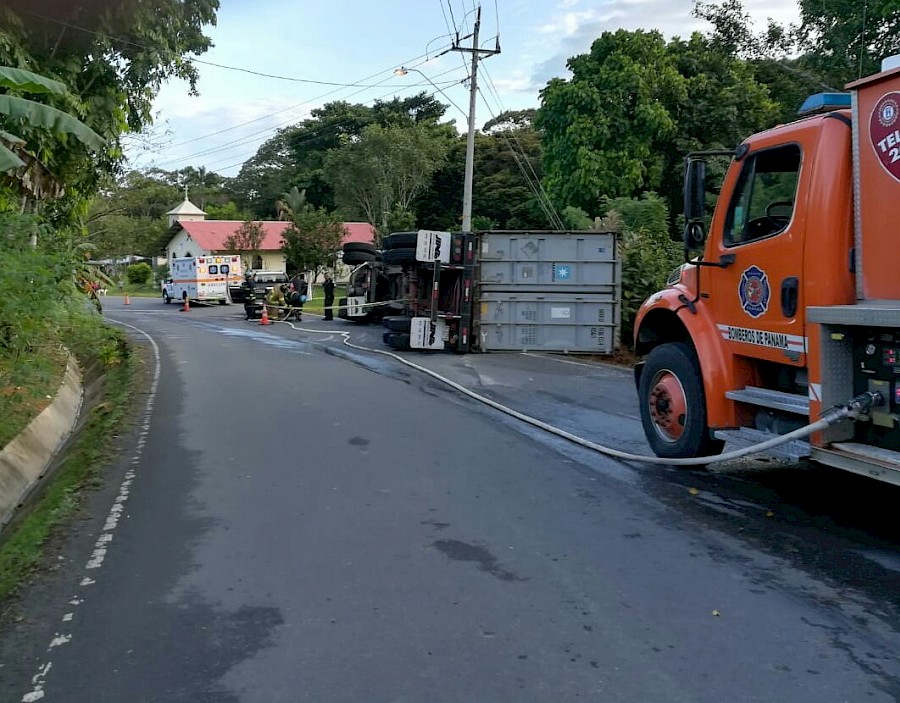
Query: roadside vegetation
70, 96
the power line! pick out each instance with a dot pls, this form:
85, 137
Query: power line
450, 31
537, 179
249, 138
455, 26
537, 188
309, 138
546, 206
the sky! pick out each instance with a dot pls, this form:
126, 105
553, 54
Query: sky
362, 42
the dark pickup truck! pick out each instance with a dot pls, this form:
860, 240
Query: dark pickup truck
263, 282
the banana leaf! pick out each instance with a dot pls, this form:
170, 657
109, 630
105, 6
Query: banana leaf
29, 82
38, 115
8, 160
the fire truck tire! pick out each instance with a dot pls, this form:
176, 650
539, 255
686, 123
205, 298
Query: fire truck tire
399, 256
397, 323
401, 240
673, 404
360, 246
352, 258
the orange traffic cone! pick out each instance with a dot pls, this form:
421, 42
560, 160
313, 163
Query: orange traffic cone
187, 306
264, 320
127, 300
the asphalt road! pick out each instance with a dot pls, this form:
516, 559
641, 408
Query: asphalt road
301, 521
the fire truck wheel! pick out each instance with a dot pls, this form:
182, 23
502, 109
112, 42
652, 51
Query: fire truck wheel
673, 405
401, 240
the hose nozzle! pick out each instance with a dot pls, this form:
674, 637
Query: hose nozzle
863, 403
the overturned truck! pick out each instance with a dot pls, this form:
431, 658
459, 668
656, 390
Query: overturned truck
488, 291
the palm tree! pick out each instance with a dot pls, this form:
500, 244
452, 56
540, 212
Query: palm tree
292, 203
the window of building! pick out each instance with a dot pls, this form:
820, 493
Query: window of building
763, 202
257, 262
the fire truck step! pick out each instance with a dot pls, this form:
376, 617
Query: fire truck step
777, 400
744, 437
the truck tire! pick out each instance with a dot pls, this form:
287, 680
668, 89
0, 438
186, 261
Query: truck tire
360, 246
400, 240
673, 404
397, 323
399, 256
397, 341
353, 258
166, 298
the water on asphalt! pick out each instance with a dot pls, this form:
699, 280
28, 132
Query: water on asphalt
310, 522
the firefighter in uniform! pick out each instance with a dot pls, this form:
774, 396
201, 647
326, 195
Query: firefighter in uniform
249, 297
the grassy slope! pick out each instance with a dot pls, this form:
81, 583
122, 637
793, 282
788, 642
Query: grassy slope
28, 384
23, 547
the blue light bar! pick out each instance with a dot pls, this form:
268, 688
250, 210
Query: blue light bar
824, 102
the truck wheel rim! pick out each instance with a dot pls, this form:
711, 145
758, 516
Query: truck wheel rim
668, 406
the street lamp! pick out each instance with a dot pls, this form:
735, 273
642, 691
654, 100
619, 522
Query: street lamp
470, 143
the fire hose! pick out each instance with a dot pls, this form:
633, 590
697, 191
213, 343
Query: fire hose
853, 409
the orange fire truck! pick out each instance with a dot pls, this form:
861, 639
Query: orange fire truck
793, 307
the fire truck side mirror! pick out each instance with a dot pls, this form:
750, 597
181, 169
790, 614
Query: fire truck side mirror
694, 202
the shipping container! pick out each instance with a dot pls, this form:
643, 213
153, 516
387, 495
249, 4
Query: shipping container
559, 261
539, 321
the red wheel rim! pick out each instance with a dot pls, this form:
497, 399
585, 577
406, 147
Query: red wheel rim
668, 406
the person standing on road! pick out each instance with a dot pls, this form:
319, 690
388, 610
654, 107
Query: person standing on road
328, 290
299, 296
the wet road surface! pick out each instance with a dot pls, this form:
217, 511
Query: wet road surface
309, 522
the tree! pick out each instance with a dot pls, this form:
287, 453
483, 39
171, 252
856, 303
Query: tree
383, 170
834, 43
29, 113
246, 242
634, 107
295, 156
501, 193
139, 273
128, 214
647, 252
313, 240
511, 120
228, 211
28, 174
600, 127
113, 55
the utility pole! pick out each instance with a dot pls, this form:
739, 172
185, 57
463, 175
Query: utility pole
477, 53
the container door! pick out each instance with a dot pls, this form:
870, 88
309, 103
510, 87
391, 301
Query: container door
756, 298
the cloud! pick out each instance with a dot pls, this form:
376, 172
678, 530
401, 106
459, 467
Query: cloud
575, 31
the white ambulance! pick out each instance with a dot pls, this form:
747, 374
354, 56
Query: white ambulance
202, 278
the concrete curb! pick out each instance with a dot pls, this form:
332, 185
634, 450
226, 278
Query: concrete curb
25, 459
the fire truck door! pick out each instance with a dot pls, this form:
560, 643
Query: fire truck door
756, 297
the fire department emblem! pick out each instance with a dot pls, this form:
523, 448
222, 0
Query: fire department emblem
754, 291
887, 112
884, 132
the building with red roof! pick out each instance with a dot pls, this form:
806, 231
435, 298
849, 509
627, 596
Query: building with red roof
190, 234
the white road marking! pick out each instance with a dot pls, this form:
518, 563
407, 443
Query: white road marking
112, 520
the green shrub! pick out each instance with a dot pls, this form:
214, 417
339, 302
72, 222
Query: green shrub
647, 252
138, 274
